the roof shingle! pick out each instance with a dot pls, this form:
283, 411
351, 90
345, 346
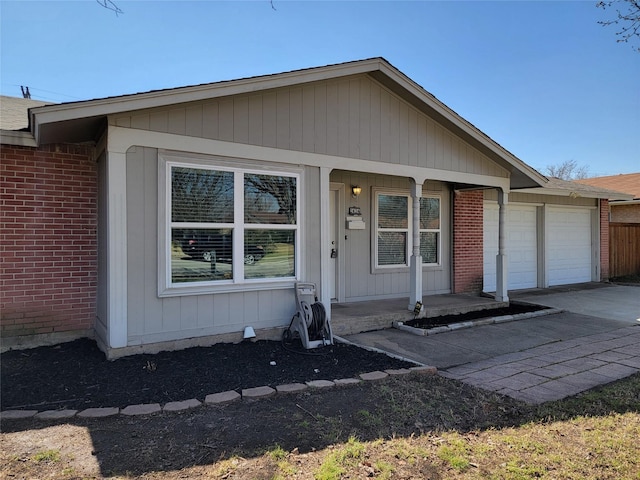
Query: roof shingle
14, 112
624, 182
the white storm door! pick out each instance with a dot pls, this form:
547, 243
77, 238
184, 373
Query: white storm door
336, 242
333, 247
569, 245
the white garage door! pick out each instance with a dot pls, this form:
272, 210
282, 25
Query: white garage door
522, 246
569, 245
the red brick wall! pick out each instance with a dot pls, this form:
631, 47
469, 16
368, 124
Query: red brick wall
604, 240
48, 243
467, 241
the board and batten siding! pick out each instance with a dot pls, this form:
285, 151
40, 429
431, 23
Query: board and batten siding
154, 319
360, 282
354, 117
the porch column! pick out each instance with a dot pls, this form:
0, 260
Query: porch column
325, 255
415, 263
501, 259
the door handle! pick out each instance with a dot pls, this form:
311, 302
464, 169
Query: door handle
334, 253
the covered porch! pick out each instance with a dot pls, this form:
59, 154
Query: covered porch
350, 318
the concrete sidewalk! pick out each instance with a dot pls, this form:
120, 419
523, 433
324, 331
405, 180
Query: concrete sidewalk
538, 359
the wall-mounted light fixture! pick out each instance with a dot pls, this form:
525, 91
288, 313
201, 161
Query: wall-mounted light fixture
355, 191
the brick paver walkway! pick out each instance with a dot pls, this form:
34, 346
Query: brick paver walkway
556, 370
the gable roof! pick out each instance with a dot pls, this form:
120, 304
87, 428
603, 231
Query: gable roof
84, 121
627, 183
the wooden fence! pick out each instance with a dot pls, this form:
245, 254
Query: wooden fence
624, 249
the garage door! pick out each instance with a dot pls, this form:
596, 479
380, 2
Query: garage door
522, 246
569, 245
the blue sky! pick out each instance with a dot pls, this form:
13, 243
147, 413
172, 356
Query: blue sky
541, 78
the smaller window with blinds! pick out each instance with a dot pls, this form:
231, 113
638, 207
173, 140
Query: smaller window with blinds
393, 241
392, 230
430, 230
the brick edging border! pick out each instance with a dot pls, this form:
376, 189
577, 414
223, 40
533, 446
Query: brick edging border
220, 398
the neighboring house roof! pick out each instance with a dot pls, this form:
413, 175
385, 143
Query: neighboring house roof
566, 188
83, 121
626, 182
14, 112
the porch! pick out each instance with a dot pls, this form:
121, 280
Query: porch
350, 318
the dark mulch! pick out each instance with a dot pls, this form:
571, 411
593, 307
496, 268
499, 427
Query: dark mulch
76, 375
512, 309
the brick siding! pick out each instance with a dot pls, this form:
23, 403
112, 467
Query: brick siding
604, 240
467, 241
48, 242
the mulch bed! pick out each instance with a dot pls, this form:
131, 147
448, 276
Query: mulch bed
512, 309
76, 375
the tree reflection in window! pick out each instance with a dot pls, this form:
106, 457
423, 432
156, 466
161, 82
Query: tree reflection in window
269, 199
203, 196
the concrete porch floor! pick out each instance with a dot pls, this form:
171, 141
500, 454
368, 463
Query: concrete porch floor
356, 317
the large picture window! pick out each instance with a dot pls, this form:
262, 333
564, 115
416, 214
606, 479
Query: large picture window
393, 244
229, 226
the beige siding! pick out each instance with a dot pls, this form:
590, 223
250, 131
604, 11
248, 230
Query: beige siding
352, 117
154, 319
361, 282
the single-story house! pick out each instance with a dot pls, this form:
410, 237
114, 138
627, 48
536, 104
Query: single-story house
177, 217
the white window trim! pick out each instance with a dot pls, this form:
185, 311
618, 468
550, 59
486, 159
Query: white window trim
375, 267
166, 288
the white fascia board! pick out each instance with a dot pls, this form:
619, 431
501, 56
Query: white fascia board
605, 194
121, 139
162, 98
12, 137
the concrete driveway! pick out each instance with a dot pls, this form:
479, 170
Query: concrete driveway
615, 302
537, 359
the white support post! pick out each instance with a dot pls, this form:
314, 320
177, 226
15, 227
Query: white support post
415, 265
502, 294
117, 249
325, 255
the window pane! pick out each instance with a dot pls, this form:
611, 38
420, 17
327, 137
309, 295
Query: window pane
392, 211
199, 195
269, 253
392, 248
269, 199
429, 213
429, 247
199, 255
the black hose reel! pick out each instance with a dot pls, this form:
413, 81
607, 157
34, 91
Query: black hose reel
310, 322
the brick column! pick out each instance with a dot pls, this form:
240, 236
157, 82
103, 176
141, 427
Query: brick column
468, 214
